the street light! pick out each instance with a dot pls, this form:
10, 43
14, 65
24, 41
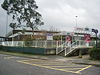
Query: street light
76, 20
96, 32
6, 23
6, 27
76, 27
80, 52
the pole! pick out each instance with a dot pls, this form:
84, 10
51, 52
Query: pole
96, 32
61, 40
76, 27
80, 52
76, 21
6, 24
96, 40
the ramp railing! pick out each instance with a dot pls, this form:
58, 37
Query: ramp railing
60, 48
68, 48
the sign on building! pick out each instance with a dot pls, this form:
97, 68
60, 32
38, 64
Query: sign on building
68, 38
84, 30
87, 38
49, 36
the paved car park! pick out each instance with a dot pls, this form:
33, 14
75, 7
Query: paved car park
13, 65
55, 65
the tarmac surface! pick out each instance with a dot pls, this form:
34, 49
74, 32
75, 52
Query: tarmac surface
15, 65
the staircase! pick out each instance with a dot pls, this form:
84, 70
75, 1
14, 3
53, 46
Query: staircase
60, 50
66, 49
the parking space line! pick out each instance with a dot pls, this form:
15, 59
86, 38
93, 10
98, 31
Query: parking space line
9, 57
47, 67
73, 68
27, 60
83, 69
56, 66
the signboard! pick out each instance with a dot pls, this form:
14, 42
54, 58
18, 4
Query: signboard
68, 38
87, 38
80, 29
49, 36
95, 31
83, 29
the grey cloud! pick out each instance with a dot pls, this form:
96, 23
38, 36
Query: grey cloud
61, 13
87, 11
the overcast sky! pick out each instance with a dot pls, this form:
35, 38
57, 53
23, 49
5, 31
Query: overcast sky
61, 14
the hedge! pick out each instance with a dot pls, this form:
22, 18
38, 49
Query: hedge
98, 45
95, 53
0, 47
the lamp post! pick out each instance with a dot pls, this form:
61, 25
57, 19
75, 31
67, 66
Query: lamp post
6, 26
76, 20
76, 29
76, 26
80, 51
96, 32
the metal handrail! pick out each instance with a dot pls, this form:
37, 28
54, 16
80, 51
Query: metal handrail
75, 45
62, 47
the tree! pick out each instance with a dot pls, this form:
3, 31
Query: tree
23, 12
12, 25
23, 31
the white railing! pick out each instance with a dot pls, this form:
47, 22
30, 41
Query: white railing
35, 43
61, 47
67, 48
72, 46
79, 44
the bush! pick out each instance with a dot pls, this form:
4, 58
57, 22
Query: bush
95, 53
0, 47
98, 45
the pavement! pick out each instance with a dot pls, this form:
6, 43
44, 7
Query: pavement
84, 60
23, 64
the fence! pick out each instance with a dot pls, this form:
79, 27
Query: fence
68, 47
43, 44
37, 43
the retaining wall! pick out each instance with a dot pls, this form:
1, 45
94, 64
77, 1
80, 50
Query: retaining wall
31, 50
